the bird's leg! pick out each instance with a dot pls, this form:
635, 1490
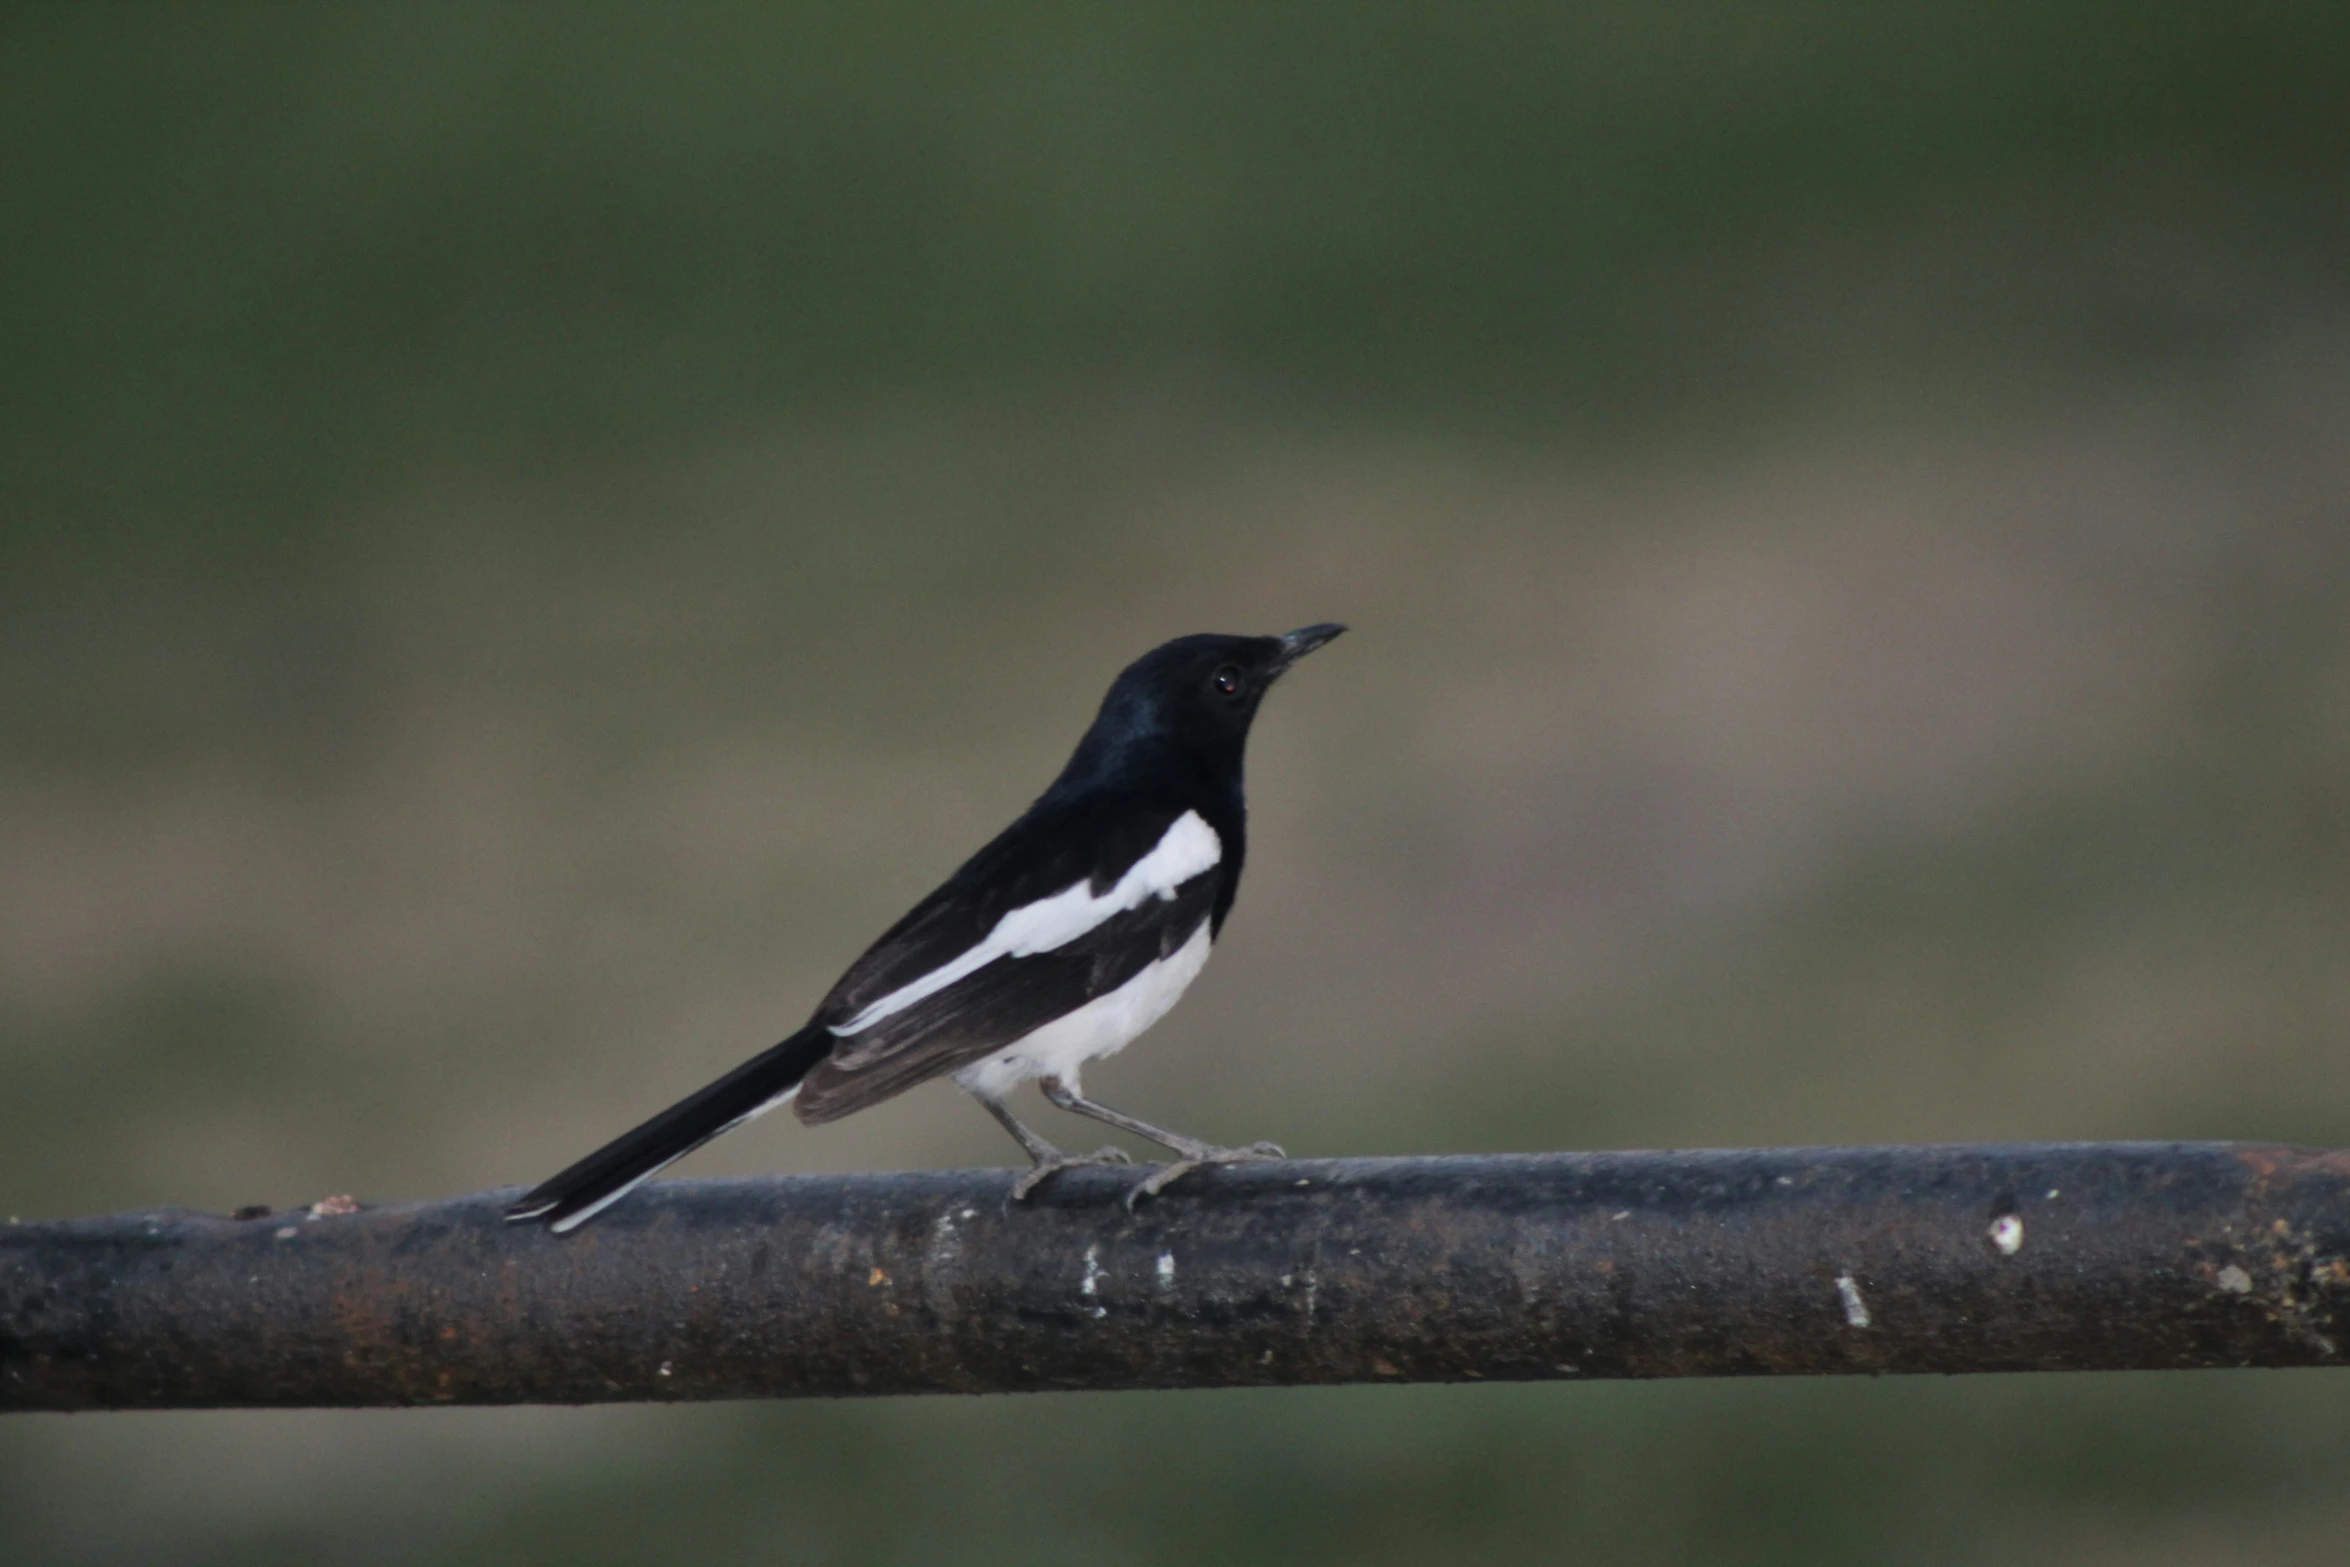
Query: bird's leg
1050, 1161
1193, 1153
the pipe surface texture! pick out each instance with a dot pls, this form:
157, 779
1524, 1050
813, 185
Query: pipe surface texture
1771, 1262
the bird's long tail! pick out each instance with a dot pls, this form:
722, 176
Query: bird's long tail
587, 1188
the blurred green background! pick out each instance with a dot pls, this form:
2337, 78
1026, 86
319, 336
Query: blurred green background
528, 534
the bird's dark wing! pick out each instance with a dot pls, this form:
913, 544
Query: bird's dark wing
1007, 999
1049, 850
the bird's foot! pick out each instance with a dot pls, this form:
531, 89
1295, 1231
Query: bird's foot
1046, 1168
1197, 1159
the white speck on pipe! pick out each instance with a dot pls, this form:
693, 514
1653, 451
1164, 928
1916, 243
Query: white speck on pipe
2234, 1280
1166, 1270
1856, 1310
1091, 1285
2007, 1233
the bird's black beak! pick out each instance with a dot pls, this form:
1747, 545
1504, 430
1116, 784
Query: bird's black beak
1297, 644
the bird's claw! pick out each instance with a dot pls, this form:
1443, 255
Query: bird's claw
1167, 1175
1044, 1169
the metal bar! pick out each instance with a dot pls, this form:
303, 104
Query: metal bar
1771, 1262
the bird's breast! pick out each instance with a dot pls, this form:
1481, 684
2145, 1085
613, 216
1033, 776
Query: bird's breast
1103, 1026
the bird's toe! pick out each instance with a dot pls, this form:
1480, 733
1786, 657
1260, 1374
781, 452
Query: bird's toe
1045, 1169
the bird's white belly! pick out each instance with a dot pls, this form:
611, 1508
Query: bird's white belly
1101, 1027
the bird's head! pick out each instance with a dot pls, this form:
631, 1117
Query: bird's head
1198, 694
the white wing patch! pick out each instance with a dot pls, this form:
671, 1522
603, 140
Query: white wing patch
1189, 847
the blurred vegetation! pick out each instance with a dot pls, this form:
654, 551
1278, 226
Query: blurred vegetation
527, 534
266, 261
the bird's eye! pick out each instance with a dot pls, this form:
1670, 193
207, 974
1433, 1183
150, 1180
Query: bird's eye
1226, 680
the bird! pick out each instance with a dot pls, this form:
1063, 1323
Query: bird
1074, 930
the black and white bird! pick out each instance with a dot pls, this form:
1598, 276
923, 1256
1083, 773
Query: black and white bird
1056, 945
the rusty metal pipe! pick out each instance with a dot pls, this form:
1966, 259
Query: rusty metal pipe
2068, 1257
